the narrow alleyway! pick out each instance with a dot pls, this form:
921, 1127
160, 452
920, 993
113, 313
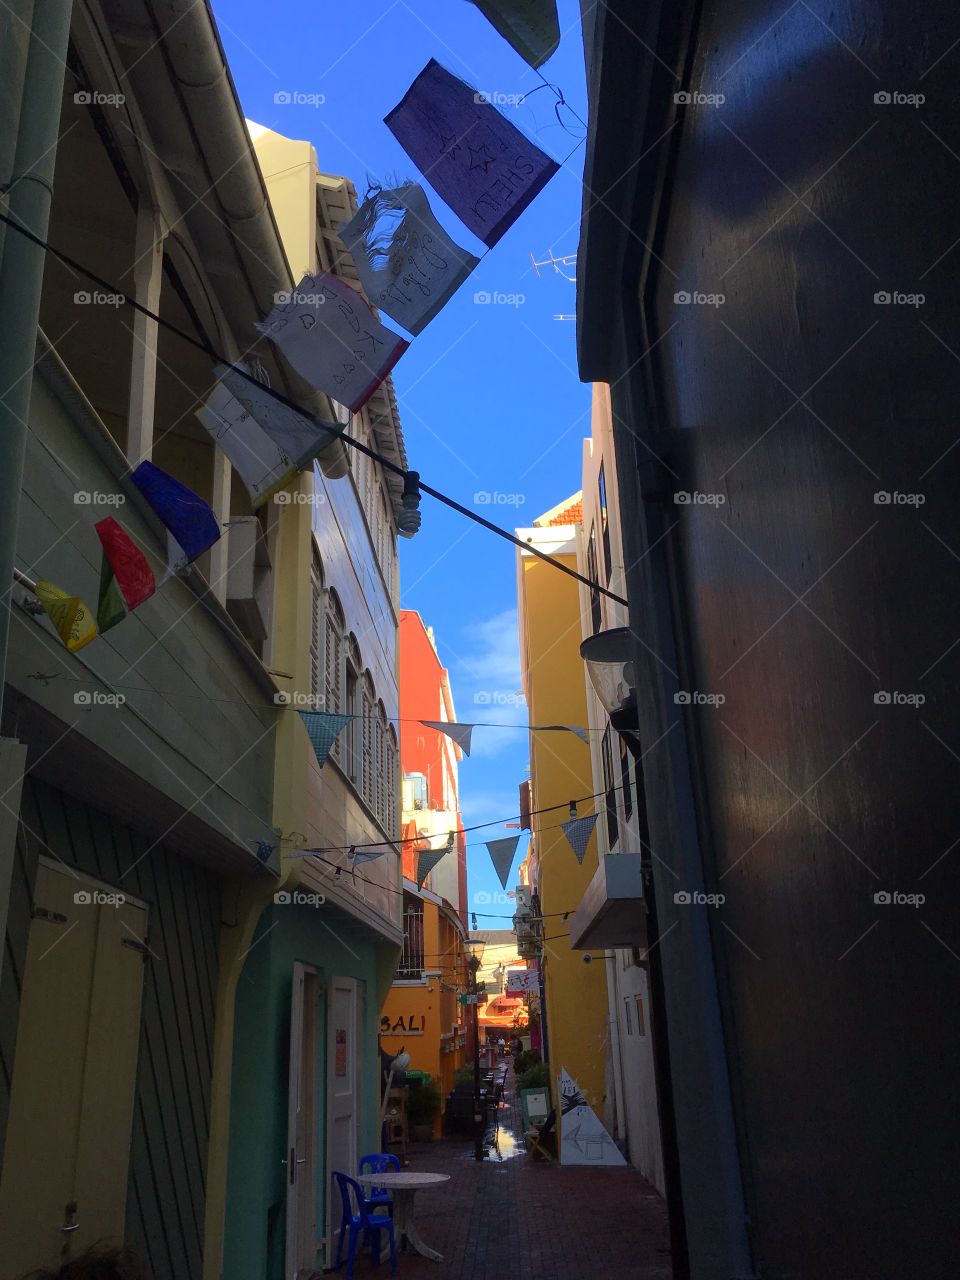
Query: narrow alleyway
516, 1218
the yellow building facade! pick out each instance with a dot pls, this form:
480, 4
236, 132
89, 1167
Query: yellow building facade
422, 1013
560, 772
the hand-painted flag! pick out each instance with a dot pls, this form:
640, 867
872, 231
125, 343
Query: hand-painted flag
473, 157
299, 434
323, 727
502, 853
72, 620
578, 831
407, 264
332, 338
460, 733
530, 26
262, 465
185, 515
130, 568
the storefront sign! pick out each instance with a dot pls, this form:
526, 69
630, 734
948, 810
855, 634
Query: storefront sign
411, 1024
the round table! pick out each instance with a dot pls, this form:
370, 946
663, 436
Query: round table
403, 1187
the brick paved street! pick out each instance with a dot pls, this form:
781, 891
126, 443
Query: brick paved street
517, 1218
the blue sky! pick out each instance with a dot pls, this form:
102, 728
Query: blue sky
488, 393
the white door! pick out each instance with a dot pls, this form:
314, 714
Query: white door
301, 1156
342, 1107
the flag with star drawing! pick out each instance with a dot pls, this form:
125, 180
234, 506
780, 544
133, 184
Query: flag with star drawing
475, 159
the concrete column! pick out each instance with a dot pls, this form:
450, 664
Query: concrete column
147, 278
220, 551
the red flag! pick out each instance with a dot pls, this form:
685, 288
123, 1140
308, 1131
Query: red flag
130, 568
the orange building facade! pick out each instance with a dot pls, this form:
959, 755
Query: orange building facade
422, 1013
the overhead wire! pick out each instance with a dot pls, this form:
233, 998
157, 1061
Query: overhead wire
341, 434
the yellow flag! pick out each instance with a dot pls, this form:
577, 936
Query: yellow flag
74, 623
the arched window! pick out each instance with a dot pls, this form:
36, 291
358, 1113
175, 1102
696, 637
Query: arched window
393, 785
316, 632
333, 663
367, 742
351, 736
380, 807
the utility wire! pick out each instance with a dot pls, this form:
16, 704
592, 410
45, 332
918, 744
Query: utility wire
44, 677
479, 826
210, 351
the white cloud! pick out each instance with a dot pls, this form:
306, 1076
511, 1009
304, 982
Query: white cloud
485, 674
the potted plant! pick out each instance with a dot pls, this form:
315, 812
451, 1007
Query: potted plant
423, 1106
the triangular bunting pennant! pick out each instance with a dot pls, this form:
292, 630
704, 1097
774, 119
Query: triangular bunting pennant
427, 859
407, 264
72, 620
501, 855
472, 156
368, 854
187, 517
332, 338
110, 606
262, 465
560, 728
460, 733
323, 727
265, 851
578, 831
530, 26
299, 435
130, 566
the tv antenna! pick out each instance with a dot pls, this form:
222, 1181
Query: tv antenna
562, 266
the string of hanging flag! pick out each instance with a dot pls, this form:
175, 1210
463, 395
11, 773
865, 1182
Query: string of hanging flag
282, 701
502, 851
487, 172
324, 727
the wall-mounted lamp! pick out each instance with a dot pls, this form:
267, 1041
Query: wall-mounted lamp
609, 659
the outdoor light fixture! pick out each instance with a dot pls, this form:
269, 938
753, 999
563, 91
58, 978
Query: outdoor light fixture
408, 521
475, 948
609, 659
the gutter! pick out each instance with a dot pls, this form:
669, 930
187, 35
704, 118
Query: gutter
227, 209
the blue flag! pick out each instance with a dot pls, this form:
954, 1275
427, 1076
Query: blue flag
187, 516
323, 727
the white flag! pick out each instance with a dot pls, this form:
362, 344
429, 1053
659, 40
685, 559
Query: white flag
407, 264
460, 733
300, 435
332, 338
262, 465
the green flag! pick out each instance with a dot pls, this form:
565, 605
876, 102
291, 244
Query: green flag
110, 605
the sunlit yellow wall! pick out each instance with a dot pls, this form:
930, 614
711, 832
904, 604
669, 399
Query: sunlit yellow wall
553, 675
434, 1000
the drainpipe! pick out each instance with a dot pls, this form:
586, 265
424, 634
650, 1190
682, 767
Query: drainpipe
30, 97
621, 1128
26, 201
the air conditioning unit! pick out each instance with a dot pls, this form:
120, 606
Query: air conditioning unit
524, 898
248, 579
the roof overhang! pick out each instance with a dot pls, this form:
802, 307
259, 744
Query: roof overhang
612, 912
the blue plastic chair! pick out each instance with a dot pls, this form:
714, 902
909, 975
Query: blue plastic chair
381, 1162
357, 1218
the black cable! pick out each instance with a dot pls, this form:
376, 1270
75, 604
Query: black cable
479, 826
386, 463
